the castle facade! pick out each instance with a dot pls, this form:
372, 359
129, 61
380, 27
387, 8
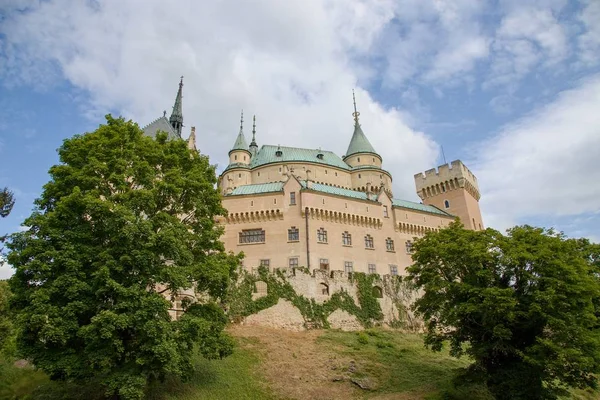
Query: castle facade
291, 207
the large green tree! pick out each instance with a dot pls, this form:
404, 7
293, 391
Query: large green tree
522, 305
125, 220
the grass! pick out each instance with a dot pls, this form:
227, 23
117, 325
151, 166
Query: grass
234, 377
399, 363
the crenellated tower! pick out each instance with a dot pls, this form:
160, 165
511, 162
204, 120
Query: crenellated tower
454, 189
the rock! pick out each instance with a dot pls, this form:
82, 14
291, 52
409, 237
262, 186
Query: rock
364, 383
21, 364
352, 367
337, 378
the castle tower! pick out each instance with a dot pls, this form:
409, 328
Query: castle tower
176, 118
238, 170
454, 189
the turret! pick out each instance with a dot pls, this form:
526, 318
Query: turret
454, 189
176, 119
239, 153
237, 172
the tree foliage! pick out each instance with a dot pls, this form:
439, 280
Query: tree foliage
7, 201
124, 220
524, 306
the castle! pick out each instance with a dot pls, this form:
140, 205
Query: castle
295, 207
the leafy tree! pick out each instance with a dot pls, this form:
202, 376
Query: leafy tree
6, 326
522, 306
124, 220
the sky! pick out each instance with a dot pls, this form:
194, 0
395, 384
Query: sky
510, 87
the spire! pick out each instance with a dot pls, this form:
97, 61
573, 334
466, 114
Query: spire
359, 142
192, 139
240, 141
176, 118
253, 145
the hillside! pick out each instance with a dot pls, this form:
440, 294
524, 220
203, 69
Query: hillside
276, 364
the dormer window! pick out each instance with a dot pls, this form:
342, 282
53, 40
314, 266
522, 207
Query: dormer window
320, 156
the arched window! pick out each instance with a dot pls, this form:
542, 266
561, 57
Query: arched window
324, 289
446, 204
377, 292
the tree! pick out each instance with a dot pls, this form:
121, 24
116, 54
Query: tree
523, 306
124, 221
7, 201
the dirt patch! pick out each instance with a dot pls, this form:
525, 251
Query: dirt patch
297, 368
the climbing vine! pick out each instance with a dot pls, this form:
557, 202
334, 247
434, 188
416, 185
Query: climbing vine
241, 304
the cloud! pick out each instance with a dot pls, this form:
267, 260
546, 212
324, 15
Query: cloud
545, 163
589, 40
288, 62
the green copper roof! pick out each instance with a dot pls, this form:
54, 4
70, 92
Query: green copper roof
419, 207
236, 165
268, 154
355, 194
359, 142
257, 188
240, 142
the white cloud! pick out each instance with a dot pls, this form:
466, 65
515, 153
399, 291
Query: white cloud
589, 41
288, 62
545, 163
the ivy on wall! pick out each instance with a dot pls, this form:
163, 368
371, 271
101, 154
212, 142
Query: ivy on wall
240, 303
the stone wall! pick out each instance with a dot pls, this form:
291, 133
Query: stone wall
393, 295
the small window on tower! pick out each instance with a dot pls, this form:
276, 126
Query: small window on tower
446, 204
358, 159
235, 157
239, 175
292, 198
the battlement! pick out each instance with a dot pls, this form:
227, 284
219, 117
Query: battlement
446, 177
445, 172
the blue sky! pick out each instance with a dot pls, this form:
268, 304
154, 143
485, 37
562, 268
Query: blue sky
511, 87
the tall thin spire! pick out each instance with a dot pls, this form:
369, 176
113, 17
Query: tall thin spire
253, 145
240, 141
355, 114
242, 121
176, 118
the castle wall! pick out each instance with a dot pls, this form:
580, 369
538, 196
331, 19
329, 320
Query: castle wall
363, 159
318, 173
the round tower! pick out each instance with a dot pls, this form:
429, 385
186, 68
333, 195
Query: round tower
237, 172
454, 189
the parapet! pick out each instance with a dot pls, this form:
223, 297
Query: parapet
449, 176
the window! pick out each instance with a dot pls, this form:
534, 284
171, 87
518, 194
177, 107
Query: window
393, 269
385, 212
239, 175
324, 264
244, 158
265, 263
322, 235
293, 262
274, 201
446, 204
323, 201
251, 203
359, 174
373, 159
346, 239
389, 244
369, 242
258, 173
348, 267
324, 289
474, 226
372, 269
292, 198
235, 157
409, 247
252, 236
358, 159
293, 234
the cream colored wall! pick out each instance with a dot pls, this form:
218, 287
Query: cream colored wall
239, 156
234, 178
361, 159
274, 214
361, 177
318, 173
462, 204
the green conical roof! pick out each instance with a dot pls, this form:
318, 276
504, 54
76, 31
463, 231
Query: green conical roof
240, 141
359, 142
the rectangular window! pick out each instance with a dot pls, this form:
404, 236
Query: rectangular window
293, 234
369, 242
324, 264
409, 247
252, 236
293, 262
389, 244
346, 239
372, 269
393, 269
322, 235
348, 267
292, 198
385, 212
265, 263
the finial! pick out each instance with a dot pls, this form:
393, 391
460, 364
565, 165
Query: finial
242, 121
181, 81
253, 127
355, 114
164, 113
